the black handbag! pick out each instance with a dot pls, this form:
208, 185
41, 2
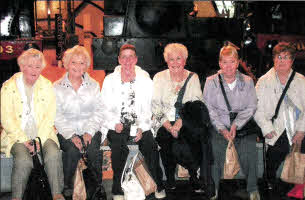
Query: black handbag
38, 187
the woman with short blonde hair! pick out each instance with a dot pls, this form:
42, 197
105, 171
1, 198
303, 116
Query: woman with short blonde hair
28, 110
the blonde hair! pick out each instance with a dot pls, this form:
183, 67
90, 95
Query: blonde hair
34, 53
76, 50
228, 50
175, 47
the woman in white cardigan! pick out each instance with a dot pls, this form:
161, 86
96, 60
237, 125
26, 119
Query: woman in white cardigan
289, 126
126, 96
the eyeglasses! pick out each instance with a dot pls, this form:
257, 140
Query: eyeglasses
285, 57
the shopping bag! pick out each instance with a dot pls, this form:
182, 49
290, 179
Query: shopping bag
182, 172
129, 182
38, 187
79, 191
141, 171
294, 166
231, 165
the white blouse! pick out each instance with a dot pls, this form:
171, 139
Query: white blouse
165, 95
77, 112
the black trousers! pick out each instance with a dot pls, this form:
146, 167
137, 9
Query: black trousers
119, 153
277, 153
71, 156
189, 154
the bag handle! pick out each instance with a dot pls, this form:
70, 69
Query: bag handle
130, 166
178, 104
282, 96
41, 151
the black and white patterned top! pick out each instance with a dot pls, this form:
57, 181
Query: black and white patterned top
128, 114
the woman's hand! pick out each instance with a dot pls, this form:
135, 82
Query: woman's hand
77, 142
298, 137
233, 131
226, 134
30, 146
271, 135
87, 138
139, 135
177, 126
119, 128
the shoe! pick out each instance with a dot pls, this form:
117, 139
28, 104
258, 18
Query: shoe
67, 192
215, 196
58, 197
170, 186
160, 195
118, 197
101, 194
255, 195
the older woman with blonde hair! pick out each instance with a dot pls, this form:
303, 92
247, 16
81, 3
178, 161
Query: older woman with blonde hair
227, 120
167, 85
28, 111
78, 117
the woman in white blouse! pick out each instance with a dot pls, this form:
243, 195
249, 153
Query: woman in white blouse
78, 116
167, 85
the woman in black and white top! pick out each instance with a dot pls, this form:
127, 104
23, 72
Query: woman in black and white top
126, 98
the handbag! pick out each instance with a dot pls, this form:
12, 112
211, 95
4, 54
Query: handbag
231, 165
79, 188
294, 166
38, 187
129, 182
142, 173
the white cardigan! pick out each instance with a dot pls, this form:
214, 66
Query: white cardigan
268, 90
112, 102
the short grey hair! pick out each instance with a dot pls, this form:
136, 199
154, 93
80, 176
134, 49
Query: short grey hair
175, 47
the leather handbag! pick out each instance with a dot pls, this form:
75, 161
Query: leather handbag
294, 166
38, 187
129, 182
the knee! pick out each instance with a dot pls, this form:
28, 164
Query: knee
51, 150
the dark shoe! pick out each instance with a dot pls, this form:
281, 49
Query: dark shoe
101, 193
170, 186
67, 192
195, 183
210, 189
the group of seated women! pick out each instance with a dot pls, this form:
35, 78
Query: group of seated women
75, 112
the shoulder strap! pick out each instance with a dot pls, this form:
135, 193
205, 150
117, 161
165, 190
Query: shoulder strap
178, 103
224, 93
182, 90
41, 151
282, 96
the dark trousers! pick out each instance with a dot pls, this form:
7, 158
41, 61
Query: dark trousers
71, 156
277, 153
119, 153
190, 154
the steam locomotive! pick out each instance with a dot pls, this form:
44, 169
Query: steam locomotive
151, 25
